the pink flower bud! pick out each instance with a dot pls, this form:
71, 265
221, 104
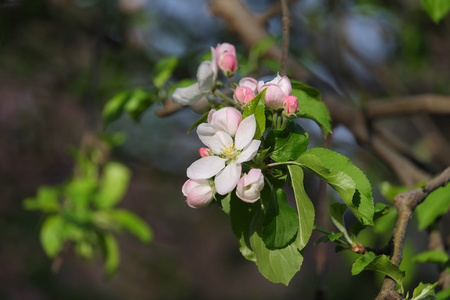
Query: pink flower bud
290, 104
250, 185
243, 95
250, 83
226, 58
203, 152
274, 97
227, 63
198, 193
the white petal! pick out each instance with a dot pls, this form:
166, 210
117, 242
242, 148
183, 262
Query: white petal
219, 141
187, 95
249, 152
228, 178
205, 167
205, 76
205, 133
226, 119
245, 132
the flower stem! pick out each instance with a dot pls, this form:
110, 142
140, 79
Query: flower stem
225, 97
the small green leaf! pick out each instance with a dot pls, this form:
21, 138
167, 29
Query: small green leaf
113, 185
311, 106
436, 204
432, 256
389, 191
305, 208
436, 9
133, 224
114, 107
424, 292
282, 227
256, 107
111, 253
347, 179
287, 144
163, 70
46, 200
52, 235
381, 263
138, 102
337, 212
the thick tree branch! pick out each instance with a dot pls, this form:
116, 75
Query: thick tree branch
434, 104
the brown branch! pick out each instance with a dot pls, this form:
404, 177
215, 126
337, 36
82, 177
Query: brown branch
405, 203
272, 11
435, 104
286, 20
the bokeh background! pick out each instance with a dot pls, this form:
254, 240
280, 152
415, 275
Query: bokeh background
62, 60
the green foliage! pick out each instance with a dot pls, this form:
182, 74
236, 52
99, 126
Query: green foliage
81, 213
163, 71
256, 107
443, 295
311, 106
435, 205
287, 144
432, 256
381, 263
424, 292
436, 9
347, 179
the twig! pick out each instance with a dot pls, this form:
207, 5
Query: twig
274, 10
405, 203
286, 20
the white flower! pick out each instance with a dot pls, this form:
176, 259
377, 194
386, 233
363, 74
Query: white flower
250, 185
228, 152
206, 79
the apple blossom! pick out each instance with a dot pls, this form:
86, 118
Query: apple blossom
250, 83
226, 119
229, 153
226, 58
203, 152
250, 185
277, 90
198, 193
243, 95
290, 104
206, 80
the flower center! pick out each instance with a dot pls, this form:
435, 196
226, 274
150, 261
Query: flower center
229, 152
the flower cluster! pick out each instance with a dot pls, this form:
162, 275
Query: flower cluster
230, 144
229, 139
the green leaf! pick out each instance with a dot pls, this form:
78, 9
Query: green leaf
424, 291
133, 224
46, 200
111, 253
278, 266
256, 107
113, 185
287, 144
311, 106
52, 235
138, 102
436, 204
163, 70
389, 191
443, 295
115, 107
381, 263
305, 208
282, 227
436, 9
347, 179
432, 256
337, 212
